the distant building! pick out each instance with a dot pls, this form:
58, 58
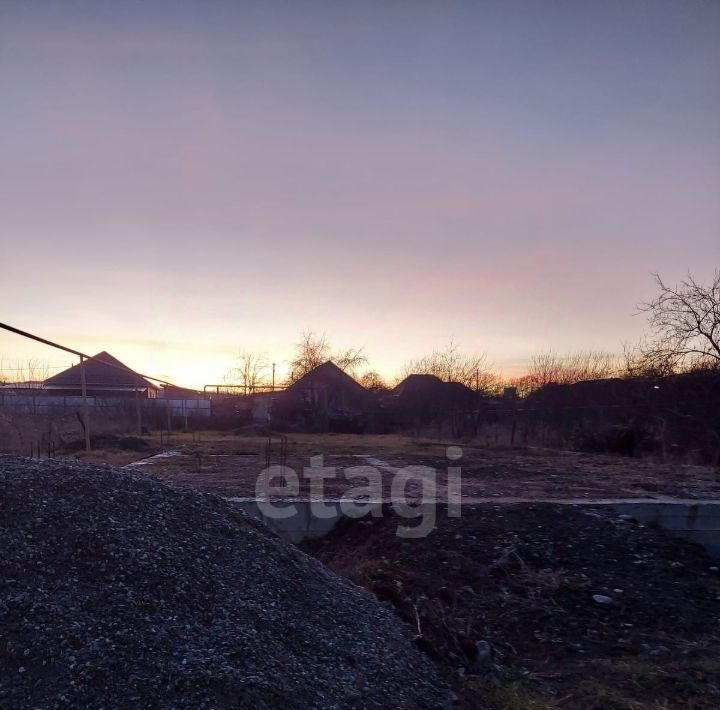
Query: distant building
420, 399
330, 387
424, 391
105, 376
325, 399
419, 386
175, 392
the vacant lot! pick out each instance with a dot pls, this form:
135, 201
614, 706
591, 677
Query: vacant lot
521, 604
229, 464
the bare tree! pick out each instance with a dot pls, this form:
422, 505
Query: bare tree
250, 371
313, 350
451, 365
639, 364
350, 360
30, 377
371, 380
684, 325
31, 373
550, 368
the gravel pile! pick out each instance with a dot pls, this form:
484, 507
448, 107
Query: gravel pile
119, 591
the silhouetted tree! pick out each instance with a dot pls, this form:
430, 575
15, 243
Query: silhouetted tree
314, 350
547, 368
451, 365
371, 380
684, 325
250, 372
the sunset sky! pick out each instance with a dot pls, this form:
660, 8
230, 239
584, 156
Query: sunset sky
182, 180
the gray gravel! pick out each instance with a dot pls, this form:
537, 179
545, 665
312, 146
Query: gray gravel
119, 591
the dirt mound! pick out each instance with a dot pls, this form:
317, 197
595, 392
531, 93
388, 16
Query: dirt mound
533, 605
117, 590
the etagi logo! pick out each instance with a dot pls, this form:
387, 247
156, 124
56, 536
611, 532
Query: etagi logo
411, 491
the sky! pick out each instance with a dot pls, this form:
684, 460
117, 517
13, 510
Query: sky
180, 181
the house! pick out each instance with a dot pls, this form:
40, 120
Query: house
422, 398
330, 387
325, 399
105, 376
426, 390
175, 392
418, 386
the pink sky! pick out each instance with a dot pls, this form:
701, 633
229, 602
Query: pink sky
179, 183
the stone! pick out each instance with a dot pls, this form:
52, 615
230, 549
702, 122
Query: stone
484, 655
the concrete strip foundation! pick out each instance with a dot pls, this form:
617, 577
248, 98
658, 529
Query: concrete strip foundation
297, 520
699, 522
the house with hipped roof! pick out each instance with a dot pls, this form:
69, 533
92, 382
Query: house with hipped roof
105, 376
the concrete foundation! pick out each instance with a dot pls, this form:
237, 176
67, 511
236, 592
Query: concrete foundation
699, 522
297, 520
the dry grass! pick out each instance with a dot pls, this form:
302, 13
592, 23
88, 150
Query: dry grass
687, 683
228, 463
513, 696
690, 684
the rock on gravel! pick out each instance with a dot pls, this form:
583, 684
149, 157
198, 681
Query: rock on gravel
119, 591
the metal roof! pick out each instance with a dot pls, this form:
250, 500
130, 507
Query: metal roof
102, 371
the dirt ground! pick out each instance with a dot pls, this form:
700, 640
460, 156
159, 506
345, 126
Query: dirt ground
521, 581
228, 464
524, 605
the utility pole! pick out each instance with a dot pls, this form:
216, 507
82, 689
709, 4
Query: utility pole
83, 382
86, 414
273, 377
137, 406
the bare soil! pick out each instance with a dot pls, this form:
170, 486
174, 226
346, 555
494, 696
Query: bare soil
522, 578
229, 465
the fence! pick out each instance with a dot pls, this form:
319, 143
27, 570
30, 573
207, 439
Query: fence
43, 403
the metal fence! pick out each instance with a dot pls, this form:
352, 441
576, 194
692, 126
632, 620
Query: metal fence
43, 403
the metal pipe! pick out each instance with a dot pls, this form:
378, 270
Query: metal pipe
37, 338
